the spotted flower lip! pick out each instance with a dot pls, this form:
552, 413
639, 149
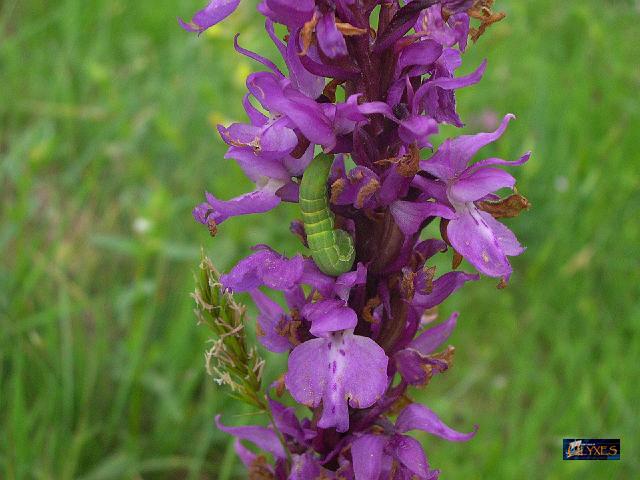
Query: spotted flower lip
342, 369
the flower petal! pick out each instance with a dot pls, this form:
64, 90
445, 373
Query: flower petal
307, 115
304, 380
410, 453
442, 288
346, 281
330, 39
419, 417
327, 316
256, 166
410, 215
473, 237
506, 238
499, 161
265, 267
246, 456
308, 83
476, 185
357, 188
454, 154
271, 321
313, 277
417, 369
214, 12
336, 369
264, 438
433, 337
259, 201
292, 14
421, 53
286, 421
305, 467
366, 455
418, 129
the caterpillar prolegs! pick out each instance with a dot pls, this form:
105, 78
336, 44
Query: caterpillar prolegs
332, 249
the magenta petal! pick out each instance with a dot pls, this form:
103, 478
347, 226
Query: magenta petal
418, 129
455, 30
442, 288
240, 135
410, 215
276, 141
432, 188
254, 56
346, 281
313, 277
428, 248
286, 421
306, 467
453, 83
265, 267
474, 186
454, 154
256, 116
305, 380
292, 14
499, 161
330, 39
214, 12
505, 237
419, 417
259, 201
262, 437
433, 337
382, 108
255, 166
308, 83
327, 316
366, 455
410, 453
341, 368
417, 369
307, 115
266, 88
271, 320
472, 237
419, 53
247, 457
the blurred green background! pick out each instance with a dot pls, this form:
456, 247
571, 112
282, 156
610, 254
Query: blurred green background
107, 140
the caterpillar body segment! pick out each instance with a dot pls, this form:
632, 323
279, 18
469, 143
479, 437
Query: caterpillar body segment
331, 249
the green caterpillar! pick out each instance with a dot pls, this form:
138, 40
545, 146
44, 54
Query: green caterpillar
332, 249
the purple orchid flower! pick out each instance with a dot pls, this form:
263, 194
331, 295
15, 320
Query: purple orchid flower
374, 456
339, 369
415, 362
475, 234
